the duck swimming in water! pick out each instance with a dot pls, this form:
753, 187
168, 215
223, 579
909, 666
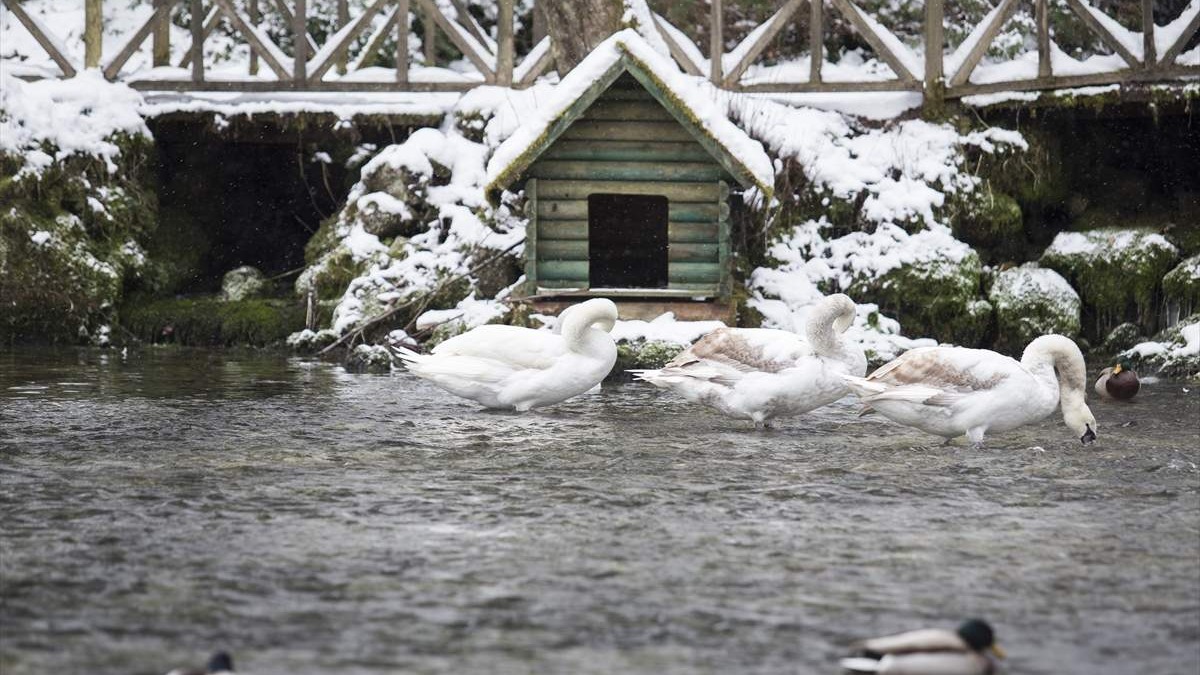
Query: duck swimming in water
951, 391
931, 651
761, 374
514, 368
1119, 382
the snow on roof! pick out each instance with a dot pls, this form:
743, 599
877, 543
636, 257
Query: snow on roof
693, 102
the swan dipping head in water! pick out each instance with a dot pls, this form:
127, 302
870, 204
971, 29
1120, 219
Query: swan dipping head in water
514, 368
951, 391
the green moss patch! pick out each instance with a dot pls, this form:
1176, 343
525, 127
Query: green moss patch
211, 322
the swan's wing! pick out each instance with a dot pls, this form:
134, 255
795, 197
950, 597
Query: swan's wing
513, 346
745, 350
940, 375
924, 640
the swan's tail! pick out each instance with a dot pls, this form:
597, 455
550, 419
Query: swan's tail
860, 665
862, 387
406, 355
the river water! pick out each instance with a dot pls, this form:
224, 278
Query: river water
160, 506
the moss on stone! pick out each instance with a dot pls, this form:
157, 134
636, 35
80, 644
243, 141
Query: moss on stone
1030, 302
643, 354
211, 322
991, 221
1181, 287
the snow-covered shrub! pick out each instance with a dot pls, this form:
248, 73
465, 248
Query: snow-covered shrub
242, 283
1181, 289
1032, 301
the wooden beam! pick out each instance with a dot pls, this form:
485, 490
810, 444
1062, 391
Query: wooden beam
289, 19
816, 39
1007, 7
935, 43
336, 47
542, 56
274, 86
1127, 76
531, 238
826, 87
467, 20
1045, 69
93, 32
716, 42
762, 37
299, 43
458, 38
53, 48
343, 19
429, 41
255, 18
252, 36
375, 42
851, 12
504, 44
402, 11
197, 26
1176, 49
1106, 37
210, 24
1149, 58
161, 49
681, 57
113, 68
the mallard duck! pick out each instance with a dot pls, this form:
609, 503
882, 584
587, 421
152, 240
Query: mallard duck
514, 368
951, 391
1119, 382
931, 651
761, 374
221, 662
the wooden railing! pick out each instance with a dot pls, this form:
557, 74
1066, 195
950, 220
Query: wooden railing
309, 65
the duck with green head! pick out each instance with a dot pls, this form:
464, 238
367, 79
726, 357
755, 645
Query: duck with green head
1119, 382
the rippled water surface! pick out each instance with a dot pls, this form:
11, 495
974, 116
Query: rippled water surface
160, 506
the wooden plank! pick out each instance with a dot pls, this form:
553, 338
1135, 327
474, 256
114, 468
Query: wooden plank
197, 26
577, 209
93, 32
562, 230
471, 51
851, 12
1043, 38
467, 20
402, 11
935, 43
826, 87
629, 151
1106, 37
563, 284
692, 233
343, 20
1149, 58
693, 272
53, 48
289, 19
562, 249
622, 94
336, 86
626, 171
255, 18
375, 42
1176, 49
716, 42
531, 236
161, 42
563, 270
985, 40
627, 111
762, 38
429, 41
677, 52
816, 39
694, 252
210, 24
1072, 81
542, 57
675, 192
586, 130
504, 43
299, 44
333, 53
250, 33
113, 68
724, 252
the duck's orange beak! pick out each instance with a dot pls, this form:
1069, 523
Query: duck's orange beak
1116, 369
997, 651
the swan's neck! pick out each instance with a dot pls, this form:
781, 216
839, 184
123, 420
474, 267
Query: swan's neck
1056, 363
577, 329
825, 338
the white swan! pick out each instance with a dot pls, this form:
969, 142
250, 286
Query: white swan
951, 391
760, 374
929, 651
516, 368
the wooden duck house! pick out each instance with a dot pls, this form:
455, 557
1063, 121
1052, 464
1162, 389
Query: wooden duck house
627, 191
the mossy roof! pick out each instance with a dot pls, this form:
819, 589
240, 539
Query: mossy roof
696, 110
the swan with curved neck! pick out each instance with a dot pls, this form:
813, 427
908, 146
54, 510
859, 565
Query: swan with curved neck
952, 391
761, 374
514, 368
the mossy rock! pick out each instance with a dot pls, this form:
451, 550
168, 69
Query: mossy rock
1117, 272
1121, 338
938, 298
643, 354
1031, 301
211, 322
1185, 237
1181, 287
992, 221
369, 359
243, 283
1174, 352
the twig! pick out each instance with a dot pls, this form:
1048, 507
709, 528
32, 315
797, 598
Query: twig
423, 301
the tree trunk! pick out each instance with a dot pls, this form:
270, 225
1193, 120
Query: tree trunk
577, 26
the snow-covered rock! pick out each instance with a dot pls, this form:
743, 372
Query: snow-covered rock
1032, 301
1181, 289
1174, 352
242, 283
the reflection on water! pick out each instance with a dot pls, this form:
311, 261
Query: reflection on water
157, 507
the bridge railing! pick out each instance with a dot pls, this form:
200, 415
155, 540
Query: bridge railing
310, 66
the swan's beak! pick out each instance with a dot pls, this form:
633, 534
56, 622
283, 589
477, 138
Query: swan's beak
997, 651
1089, 436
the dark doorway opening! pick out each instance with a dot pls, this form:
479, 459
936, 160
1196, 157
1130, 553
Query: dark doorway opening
627, 241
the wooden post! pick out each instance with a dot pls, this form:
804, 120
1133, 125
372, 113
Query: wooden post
161, 51
252, 9
93, 32
402, 41
539, 24
197, 26
716, 42
504, 44
935, 41
816, 39
1043, 38
1149, 58
429, 40
300, 43
343, 18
